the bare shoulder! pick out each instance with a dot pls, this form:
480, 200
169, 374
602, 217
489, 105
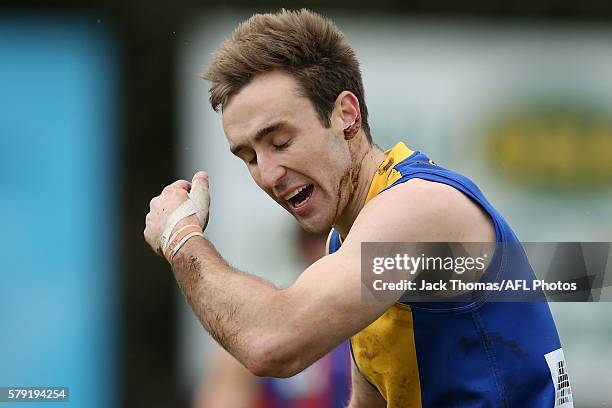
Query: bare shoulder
422, 211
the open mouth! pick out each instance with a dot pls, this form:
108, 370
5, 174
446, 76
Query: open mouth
300, 196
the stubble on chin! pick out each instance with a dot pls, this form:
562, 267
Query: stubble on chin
346, 189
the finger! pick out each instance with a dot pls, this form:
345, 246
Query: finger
200, 174
200, 195
178, 184
199, 185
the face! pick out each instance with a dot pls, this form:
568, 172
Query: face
302, 165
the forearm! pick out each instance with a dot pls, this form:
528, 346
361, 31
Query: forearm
265, 328
240, 311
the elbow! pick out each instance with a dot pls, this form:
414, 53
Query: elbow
275, 356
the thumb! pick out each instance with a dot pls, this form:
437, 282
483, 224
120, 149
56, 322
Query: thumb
201, 175
200, 196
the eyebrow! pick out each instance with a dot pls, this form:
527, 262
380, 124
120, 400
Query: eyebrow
260, 135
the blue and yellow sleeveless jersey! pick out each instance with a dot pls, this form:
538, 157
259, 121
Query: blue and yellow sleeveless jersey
480, 354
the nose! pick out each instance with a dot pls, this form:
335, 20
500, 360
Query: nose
270, 171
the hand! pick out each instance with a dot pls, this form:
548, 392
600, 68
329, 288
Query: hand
181, 203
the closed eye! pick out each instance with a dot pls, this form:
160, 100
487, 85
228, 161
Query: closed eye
282, 146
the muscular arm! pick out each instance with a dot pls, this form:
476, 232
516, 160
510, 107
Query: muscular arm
279, 332
275, 332
217, 294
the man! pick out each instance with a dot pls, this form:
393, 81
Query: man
290, 91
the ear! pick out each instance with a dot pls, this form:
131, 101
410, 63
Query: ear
346, 109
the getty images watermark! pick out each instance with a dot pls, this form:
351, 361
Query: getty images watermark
467, 272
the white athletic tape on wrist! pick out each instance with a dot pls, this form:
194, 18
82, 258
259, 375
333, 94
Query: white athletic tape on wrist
184, 210
197, 204
178, 236
182, 242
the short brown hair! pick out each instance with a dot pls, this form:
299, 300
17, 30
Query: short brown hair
302, 43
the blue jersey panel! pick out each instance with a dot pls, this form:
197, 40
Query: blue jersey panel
481, 354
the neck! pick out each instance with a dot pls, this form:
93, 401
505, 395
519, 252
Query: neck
370, 160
